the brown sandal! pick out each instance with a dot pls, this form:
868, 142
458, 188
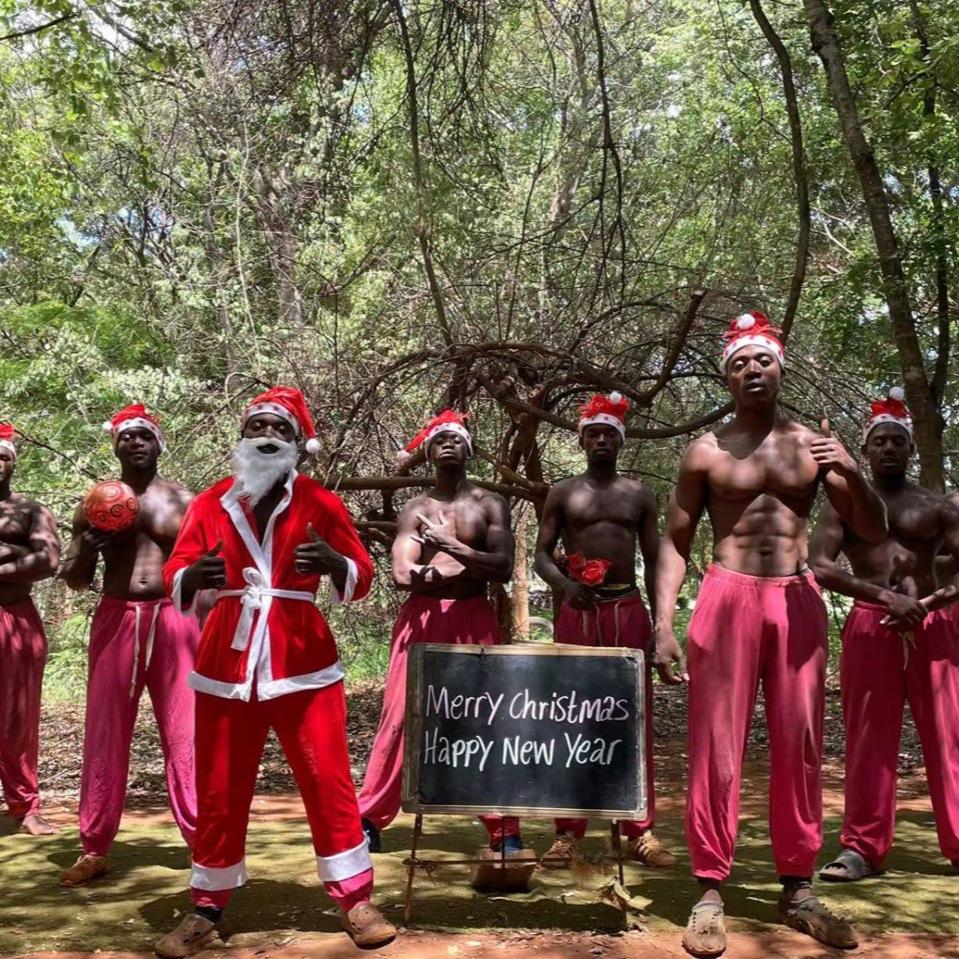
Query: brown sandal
561, 854
814, 918
84, 870
649, 851
193, 934
705, 934
367, 926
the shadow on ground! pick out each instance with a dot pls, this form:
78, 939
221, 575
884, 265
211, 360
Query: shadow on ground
145, 892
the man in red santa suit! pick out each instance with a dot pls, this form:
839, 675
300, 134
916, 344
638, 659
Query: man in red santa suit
602, 517
263, 538
137, 640
451, 542
29, 552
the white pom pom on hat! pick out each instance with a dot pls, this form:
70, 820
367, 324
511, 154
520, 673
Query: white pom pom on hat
745, 322
312, 445
106, 426
403, 457
615, 397
897, 393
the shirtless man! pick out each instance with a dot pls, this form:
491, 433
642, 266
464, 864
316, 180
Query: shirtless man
137, 639
451, 542
29, 552
759, 618
601, 515
900, 642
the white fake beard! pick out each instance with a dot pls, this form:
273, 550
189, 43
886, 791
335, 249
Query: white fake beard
257, 473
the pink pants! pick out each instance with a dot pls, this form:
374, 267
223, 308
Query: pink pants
876, 682
423, 619
132, 645
23, 652
614, 622
230, 736
748, 630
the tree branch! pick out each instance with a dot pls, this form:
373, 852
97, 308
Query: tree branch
799, 166
39, 28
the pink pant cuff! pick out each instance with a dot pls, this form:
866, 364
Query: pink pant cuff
211, 899
347, 893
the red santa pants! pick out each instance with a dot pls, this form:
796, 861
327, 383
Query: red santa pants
748, 630
613, 622
423, 619
23, 652
230, 736
876, 682
132, 645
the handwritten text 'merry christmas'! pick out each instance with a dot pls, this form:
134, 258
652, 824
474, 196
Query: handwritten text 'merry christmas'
515, 750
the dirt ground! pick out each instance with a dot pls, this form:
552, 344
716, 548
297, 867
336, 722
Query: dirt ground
910, 913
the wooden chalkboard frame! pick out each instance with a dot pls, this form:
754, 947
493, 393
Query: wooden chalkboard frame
414, 729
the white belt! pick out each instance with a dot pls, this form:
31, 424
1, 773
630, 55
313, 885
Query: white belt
257, 595
151, 635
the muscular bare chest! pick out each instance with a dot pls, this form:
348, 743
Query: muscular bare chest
779, 467
16, 522
587, 506
468, 518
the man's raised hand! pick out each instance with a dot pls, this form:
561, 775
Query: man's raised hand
668, 657
208, 572
829, 453
317, 556
440, 535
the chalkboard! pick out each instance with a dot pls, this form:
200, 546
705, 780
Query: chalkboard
525, 730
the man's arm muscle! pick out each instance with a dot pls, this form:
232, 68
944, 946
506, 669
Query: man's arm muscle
39, 560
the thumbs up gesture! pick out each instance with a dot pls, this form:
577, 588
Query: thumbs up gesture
830, 454
208, 572
317, 556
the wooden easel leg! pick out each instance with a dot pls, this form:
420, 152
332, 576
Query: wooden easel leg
617, 841
411, 870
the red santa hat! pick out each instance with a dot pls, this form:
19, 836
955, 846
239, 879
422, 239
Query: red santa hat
289, 404
449, 421
7, 434
610, 410
752, 329
132, 417
891, 410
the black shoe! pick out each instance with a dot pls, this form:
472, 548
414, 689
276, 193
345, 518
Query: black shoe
372, 836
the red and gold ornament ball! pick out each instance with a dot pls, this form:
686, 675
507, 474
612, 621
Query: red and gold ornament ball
111, 506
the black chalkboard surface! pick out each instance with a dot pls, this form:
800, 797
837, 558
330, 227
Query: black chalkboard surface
525, 730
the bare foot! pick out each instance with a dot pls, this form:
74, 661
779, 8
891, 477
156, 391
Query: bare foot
35, 825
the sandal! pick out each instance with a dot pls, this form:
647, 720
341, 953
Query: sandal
649, 851
87, 868
814, 918
855, 867
705, 934
194, 934
561, 854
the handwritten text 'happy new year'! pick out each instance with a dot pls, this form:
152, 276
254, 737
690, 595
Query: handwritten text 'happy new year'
515, 750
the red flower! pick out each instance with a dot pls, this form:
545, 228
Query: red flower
591, 572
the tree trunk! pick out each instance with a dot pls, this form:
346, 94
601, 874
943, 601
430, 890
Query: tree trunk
928, 420
520, 594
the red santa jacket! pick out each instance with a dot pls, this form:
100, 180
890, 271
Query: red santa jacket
265, 627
